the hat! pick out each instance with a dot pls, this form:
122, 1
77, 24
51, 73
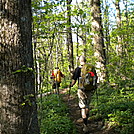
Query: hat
82, 63
82, 60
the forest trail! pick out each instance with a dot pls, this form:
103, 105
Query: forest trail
95, 127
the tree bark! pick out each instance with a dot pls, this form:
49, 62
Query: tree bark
98, 40
69, 37
118, 20
17, 94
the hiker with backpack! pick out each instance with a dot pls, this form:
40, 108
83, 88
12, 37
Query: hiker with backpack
87, 83
56, 76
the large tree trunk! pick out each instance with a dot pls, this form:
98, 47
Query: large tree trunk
18, 113
98, 39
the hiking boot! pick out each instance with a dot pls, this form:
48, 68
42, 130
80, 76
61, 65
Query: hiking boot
85, 128
80, 120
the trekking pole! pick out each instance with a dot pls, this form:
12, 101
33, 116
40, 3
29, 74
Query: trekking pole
97, 95
69, 92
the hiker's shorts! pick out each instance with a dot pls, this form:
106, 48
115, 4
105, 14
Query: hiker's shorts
84, 98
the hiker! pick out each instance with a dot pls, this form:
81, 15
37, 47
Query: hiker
56, 76
84, 93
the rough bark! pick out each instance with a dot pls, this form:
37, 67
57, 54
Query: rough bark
98, 40
118, 20
69, 37
17, 95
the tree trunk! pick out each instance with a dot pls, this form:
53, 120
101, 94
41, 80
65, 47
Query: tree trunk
98, 40
17, 95
69, 37
118, 20
107, 34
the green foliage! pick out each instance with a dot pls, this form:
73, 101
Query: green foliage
54, 116
115, 99
27, 100
123, 121
115, 109
23, 69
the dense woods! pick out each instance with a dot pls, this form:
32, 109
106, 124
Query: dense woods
37, 36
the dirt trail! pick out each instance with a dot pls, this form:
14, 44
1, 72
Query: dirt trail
95, 127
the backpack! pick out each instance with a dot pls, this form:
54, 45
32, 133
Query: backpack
88, 79
57, 75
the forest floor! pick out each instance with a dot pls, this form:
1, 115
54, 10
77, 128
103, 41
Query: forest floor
95, 126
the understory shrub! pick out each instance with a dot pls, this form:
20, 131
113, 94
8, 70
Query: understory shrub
53, 116
116, 109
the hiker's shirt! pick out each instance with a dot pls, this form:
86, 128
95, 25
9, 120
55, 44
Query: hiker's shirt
57, 74
82, 95
77, 73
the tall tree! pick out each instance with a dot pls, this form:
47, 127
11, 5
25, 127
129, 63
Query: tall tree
118, 21
98, 37
17, 95
106, 32
69, 36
